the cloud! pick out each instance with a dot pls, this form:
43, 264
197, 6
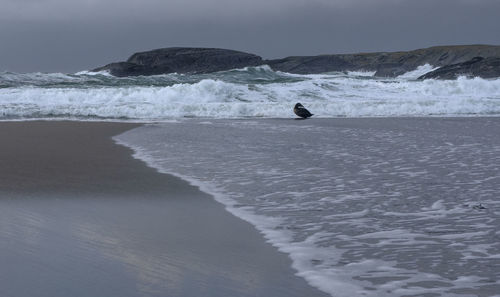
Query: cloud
82, 10
70, 35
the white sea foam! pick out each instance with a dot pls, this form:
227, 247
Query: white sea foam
339, 200
255, 92
421, 70
91, 73
361, 73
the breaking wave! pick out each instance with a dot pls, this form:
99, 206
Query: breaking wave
240, 93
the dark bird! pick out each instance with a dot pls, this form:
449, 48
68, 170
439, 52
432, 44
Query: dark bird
301, 111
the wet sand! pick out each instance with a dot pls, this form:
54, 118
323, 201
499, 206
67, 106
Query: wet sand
80, 217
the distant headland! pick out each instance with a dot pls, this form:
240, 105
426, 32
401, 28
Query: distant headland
454, 61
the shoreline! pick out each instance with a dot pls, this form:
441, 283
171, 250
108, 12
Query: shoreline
140, 122
81, 217
358, 170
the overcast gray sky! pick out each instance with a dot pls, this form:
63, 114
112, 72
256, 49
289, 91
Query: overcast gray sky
72, 35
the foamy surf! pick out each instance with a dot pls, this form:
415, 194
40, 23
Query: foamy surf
242, 93
365, 207
421, 70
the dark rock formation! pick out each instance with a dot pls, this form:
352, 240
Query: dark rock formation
475, 67
182, 60
320, 64
122, 69
206, 60
385, 64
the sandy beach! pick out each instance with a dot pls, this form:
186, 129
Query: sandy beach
80, 217
212, 148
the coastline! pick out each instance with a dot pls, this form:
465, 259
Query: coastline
382, 208
81, 217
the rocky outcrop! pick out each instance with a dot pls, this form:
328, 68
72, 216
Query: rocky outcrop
324, 63
182, 60
385, 64
475, 67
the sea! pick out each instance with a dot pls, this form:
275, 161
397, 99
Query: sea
253, 92
391, 189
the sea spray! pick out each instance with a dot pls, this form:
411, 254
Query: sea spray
241, 93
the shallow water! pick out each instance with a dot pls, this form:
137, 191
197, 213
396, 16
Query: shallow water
80, 217
364, 207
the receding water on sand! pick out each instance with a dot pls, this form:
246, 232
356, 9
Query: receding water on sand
80, 217
364, 207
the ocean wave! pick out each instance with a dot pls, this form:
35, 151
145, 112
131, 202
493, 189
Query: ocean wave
93, 73
421, 70
361, 73
248, 92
